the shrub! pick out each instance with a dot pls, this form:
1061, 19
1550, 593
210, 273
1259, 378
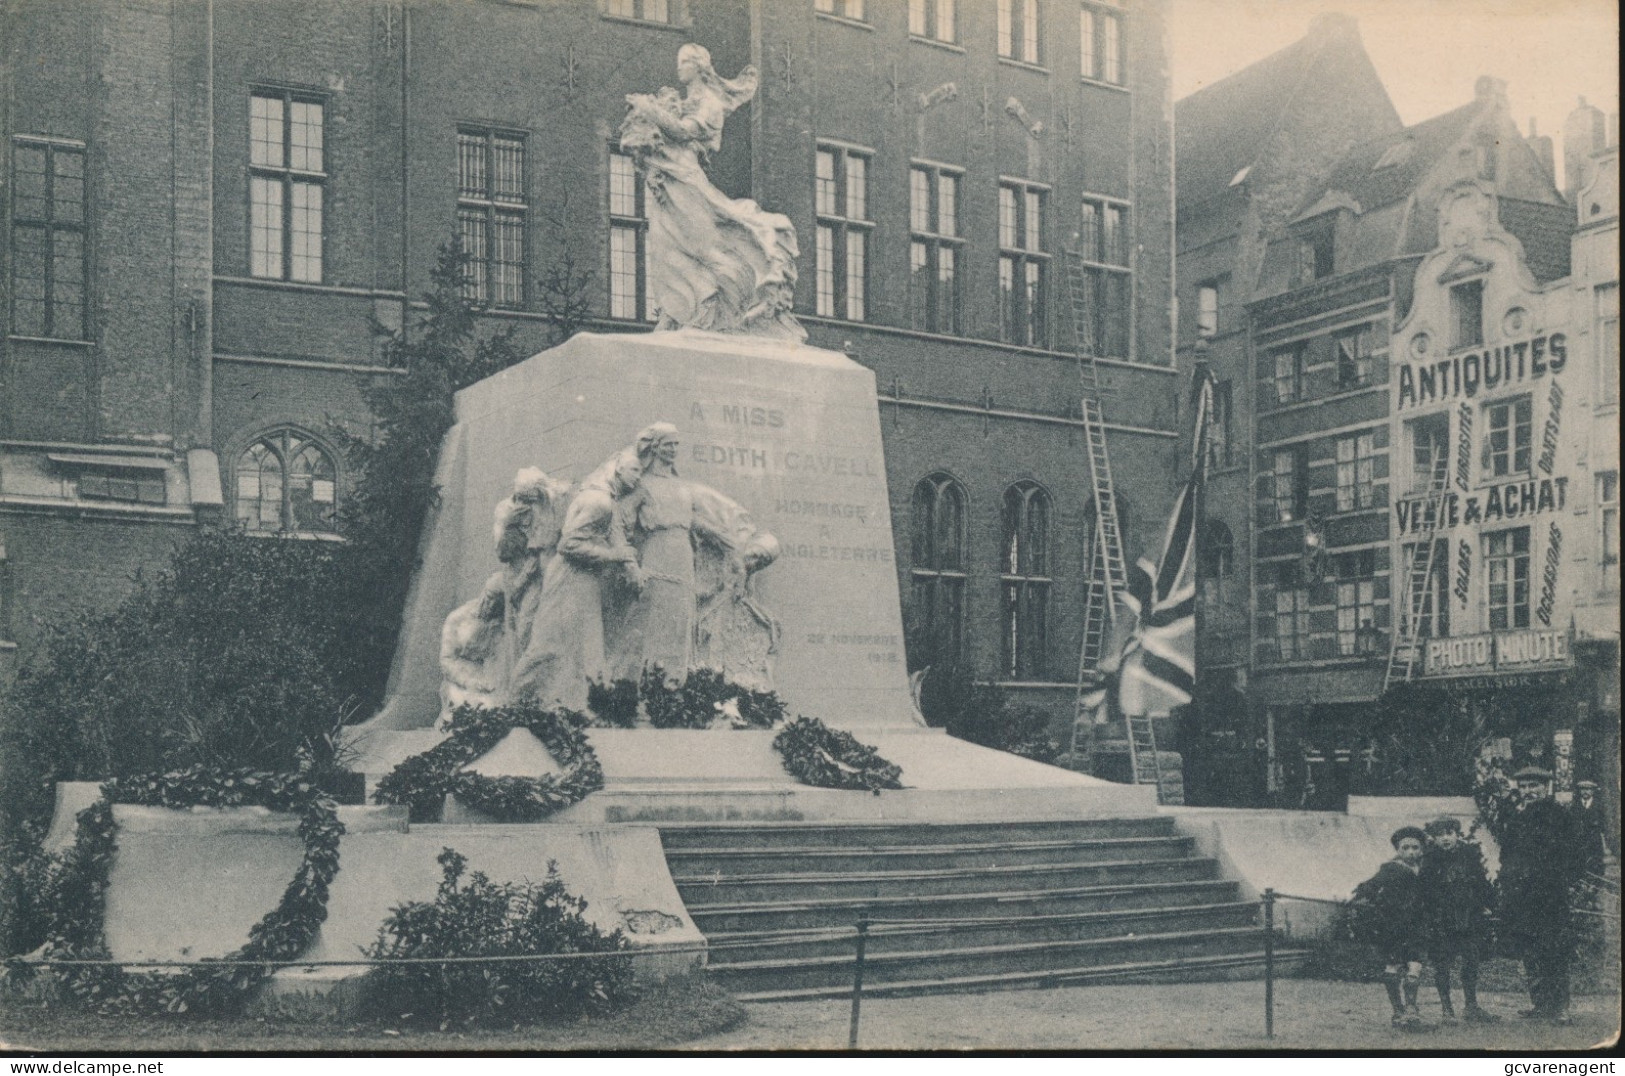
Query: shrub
486, 918
25, 880
951, 700
219, 660
614, 704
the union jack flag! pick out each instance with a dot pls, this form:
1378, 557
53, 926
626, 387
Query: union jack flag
1156, 664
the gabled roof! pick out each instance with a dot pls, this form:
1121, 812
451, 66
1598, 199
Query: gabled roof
1221, 129
1386, 170
1544, 230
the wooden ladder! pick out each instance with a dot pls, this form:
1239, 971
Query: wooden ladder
1402, 657
1142, 753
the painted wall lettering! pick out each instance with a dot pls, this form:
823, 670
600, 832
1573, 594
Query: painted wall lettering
1508, 500
1464, 375
1548, 577
1464, 572
1464, 446
1548, 439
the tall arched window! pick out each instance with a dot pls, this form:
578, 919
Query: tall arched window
1024, 565
286, 483
1215, 560
937, 591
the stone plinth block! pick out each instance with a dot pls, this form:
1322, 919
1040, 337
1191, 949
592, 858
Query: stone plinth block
790, 432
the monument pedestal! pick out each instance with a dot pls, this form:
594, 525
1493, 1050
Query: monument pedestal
792, 433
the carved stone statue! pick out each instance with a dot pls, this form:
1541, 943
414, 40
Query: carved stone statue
642, 570
481, 638
565, 648
717, 263
678, 528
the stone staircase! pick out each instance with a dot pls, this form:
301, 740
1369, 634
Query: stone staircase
979, 906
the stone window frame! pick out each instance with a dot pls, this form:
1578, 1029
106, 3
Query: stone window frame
1605, 300
1104, 245
1215, 562
1434, 622
1356, 595
1289, 373
1019, 31
287, 442
1292, 612
282, 175
1512, 417
1207, 307
849, 10
934, 20
1608, 532
628, 225
1100, 28
1467, 317
1431, 431
848, 228
936, 247
1356, 350
1290, 484
1023, 310
487, 211
673, 13
1357, 471
53, 226
1026, 582
1512, 564
939, 566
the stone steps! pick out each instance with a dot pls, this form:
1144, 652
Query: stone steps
681, 836
958, 906
820, 858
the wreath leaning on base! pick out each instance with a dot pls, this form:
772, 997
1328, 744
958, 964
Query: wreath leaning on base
78, 893
423, 781
818, 755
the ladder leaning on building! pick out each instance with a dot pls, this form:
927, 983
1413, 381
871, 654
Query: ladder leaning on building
1108, 572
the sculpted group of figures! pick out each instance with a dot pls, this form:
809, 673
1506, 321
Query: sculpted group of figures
632, 569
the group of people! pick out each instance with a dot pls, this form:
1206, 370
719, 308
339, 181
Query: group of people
607, 580
1434, 899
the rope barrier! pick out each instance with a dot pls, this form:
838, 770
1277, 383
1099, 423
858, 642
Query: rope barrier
517, 958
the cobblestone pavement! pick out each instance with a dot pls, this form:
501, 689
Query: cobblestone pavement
1309, 1015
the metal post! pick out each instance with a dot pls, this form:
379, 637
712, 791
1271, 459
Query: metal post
1269, 963
857, 980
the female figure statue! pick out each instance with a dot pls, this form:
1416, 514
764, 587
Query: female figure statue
683, 531
566, 645
719, 263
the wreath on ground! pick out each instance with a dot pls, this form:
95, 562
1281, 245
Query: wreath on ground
423, 781
818, 755
79, 880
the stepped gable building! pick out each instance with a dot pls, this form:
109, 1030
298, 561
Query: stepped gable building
210, 203
1252, 148
1442, 250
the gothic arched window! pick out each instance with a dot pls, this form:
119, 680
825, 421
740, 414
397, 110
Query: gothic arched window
1024, 566
286, 483
937, 572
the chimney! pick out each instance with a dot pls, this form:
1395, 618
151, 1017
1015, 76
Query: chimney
1584, 133
1542, 147
1490, 88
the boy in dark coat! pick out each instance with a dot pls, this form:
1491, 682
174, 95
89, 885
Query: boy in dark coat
1459, 902
1396, 913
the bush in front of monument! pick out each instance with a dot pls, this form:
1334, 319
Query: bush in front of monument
952, 700
482, 918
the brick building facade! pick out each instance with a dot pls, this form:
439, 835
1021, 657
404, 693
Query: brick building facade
1454, 222
209, 204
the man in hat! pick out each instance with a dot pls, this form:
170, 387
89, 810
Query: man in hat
1539, 861
1588, 827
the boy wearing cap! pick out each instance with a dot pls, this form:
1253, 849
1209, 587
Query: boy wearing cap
1459, 902
1397, 924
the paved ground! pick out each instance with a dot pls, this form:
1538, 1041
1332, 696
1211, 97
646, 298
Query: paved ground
1201, 1016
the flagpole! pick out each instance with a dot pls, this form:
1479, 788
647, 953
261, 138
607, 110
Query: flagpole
1202, 372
